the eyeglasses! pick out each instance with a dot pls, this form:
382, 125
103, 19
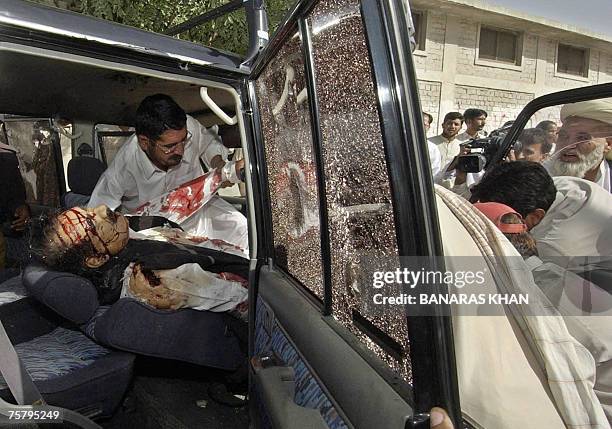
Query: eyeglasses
169, 148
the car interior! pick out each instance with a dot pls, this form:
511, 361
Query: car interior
84, 112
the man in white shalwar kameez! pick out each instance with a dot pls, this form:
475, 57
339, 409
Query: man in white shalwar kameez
166, 152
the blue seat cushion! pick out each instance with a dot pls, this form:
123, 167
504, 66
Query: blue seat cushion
57, 353
199, 337
68, 368
73, 297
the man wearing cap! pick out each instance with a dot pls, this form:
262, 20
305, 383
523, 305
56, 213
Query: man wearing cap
585, 307
583, 142
569, 217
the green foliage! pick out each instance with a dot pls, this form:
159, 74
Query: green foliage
228, 32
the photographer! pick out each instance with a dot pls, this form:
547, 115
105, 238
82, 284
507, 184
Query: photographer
475, 121
460, 181
468, 167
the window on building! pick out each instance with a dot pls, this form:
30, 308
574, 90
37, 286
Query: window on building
572, 60
419, 20
499, 45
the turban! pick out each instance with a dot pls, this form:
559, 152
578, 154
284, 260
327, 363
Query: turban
599, 110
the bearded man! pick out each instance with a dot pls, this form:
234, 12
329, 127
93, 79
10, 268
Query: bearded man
583, 142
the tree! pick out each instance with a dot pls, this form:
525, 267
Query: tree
228, 32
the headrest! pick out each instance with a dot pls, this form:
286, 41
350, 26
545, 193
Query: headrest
83, 174
72, 297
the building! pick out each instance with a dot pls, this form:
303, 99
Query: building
473, 54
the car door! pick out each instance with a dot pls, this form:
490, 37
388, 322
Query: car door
343, 186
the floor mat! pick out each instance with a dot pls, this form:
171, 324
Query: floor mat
179, 400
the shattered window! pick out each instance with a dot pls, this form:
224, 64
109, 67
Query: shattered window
360, 211
292, 175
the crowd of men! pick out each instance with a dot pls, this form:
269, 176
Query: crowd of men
556, 182
577, 148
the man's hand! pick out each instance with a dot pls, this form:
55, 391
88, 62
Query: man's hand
217, 162
463, 150
439, 419
238, 165
22, 215
460, 177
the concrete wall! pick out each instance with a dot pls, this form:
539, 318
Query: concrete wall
501, 105
430, 99
451, 77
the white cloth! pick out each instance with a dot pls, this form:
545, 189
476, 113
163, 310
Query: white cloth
576, 231
448, 149
598, 110
603, 176
587, 312
486, 354
435, 158
132, 180
470, 180
198, 289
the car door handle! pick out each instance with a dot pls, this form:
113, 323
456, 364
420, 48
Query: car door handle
277, 387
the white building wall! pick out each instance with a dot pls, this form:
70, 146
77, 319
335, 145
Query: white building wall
452, 77
430, 99
501, 105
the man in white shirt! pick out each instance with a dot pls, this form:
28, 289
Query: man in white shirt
434, 153
450, 177
584, 140
475, 120
166, 152
570, 220
447, 142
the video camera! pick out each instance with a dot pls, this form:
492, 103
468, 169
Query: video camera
482, 151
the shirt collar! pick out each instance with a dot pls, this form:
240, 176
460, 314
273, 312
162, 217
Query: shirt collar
478, 135
147, 167
144, 163
448, 140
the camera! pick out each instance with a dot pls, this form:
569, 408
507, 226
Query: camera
481, 151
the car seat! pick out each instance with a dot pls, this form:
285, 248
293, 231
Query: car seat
199, 337
83, 174
68, 368
68, 342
